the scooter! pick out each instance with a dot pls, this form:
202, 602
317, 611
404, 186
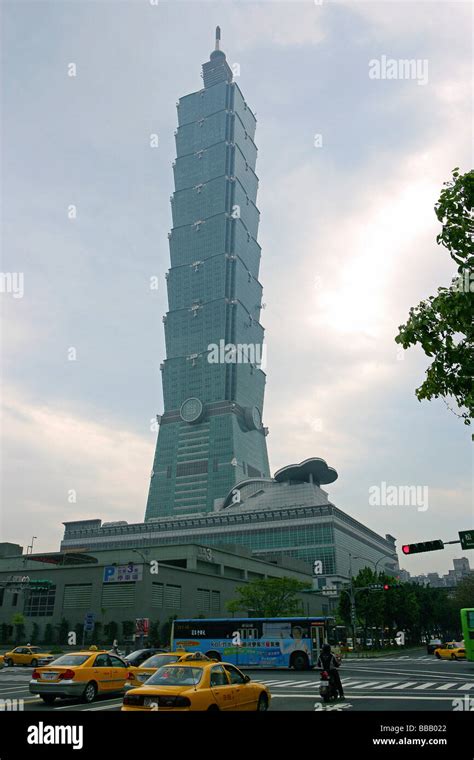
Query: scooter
327, 687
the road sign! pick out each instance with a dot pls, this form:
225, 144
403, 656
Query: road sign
467, 539
89, 620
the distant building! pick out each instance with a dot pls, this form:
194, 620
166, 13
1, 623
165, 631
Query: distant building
461, 569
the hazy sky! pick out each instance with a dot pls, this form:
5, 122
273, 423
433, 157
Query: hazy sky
347, 231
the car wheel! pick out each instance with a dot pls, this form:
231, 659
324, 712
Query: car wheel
48, 699
34, 663
300, 662
89, 693
262, 705
10, 663
213, 708
437, 655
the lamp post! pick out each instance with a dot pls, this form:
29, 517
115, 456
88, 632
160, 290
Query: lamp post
375, 564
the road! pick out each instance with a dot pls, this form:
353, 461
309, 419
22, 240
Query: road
400, 683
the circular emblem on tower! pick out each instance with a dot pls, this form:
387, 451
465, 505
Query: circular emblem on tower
253, 418
191, 410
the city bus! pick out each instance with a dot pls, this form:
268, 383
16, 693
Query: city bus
467, 626
293, 642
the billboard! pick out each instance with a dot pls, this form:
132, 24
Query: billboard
123, 573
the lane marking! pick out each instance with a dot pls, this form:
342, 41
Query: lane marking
76, 706
421, 698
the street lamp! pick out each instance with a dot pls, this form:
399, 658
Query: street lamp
31, 545
375, 564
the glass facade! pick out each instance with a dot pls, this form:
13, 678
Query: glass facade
211, 434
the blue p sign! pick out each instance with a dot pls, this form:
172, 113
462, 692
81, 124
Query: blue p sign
109, 572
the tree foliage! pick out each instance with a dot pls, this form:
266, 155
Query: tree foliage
443, 324
269, 597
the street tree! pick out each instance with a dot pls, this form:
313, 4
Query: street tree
443, 324
269, 597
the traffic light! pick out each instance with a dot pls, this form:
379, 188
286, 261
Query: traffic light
386, 587
423, 546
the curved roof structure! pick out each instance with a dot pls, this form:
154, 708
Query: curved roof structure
314, 470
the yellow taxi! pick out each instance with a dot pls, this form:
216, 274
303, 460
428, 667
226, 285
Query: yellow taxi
80, 674
198, 684
452, 650
28, 655
2, 660
138, 675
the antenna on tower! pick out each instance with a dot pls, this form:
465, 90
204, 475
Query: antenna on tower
218, 37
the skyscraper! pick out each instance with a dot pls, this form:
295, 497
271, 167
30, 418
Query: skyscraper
211, 434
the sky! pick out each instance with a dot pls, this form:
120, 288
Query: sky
350, 167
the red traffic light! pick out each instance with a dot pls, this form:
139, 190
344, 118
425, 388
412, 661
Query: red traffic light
423, 546
386, 586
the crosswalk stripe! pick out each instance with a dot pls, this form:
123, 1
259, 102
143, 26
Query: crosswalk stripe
425, 685
386, 685
446, 686
367, 684
405, 685
466, 686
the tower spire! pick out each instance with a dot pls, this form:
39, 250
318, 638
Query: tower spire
218, 37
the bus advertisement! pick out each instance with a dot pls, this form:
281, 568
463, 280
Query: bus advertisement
293, 642
467, 625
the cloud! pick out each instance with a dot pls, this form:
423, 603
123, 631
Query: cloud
50, 453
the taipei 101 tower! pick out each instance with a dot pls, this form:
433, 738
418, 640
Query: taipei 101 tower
211, 435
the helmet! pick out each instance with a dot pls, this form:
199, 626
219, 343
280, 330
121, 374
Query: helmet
326, 648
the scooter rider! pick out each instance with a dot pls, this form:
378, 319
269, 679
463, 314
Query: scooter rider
327, 661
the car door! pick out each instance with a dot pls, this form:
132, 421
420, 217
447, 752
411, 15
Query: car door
221, 689
102, 673
119, 672
20, 656
244, 692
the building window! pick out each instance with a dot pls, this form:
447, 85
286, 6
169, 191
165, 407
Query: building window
77, 596
173, 597
157, 594
39, 603
215, 601
118, 595
204, 599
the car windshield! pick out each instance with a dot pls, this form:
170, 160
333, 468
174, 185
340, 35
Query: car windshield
158, 660
71, 659
137, 657
174, 675
34, 649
